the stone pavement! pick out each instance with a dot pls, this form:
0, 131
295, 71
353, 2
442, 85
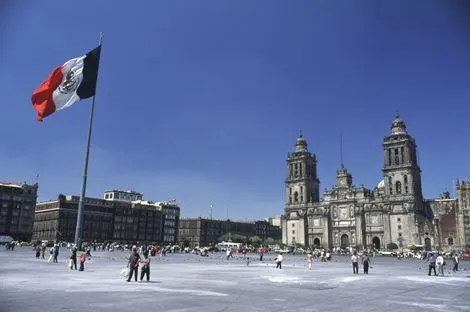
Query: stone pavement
186, 282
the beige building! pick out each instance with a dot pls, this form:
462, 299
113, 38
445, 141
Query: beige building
349, 216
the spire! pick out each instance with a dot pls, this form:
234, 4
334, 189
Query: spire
341, 150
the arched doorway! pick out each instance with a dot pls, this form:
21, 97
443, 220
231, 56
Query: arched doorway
427, 244
450, 241
376, 242
316, 242
344, 241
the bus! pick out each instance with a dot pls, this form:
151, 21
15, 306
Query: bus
227, 245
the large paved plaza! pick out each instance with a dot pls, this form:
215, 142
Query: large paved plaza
186, 282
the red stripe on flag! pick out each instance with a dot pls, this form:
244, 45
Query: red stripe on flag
42, 96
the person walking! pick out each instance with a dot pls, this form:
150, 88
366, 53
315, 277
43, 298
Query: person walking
133, 264
279, 261
440, 264
73, 258
145, 270
365, 262
310, 259
432, 263
51, 255
455, 260
83, 258
354, 263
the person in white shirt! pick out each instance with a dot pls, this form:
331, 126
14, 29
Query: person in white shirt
354, 263
440, 264
279, 261
310, 259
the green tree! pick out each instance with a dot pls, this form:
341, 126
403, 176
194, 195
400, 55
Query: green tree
270, 241
255, 240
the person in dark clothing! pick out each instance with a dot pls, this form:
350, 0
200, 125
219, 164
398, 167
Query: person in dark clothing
56, 253
145, 270
133, 264
38, 251
365, 263
432, 264
73, 257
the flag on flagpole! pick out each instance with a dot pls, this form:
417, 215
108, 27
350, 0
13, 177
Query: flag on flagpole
67, 84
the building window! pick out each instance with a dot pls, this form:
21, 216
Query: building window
293, 232
296, 197
402, 150
399, 234
290, 190
450, 241
301, 199
389, 157
405, 179
406, 189
399, 227
398, 219
390, 182
398, 187
293, 225
290, 199
397, 157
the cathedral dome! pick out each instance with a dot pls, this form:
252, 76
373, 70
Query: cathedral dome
381, 184
301, 144
398, 126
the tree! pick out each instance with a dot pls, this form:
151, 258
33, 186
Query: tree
270, 241
255, 240
392, 246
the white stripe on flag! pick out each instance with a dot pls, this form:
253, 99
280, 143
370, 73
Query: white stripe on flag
66, 94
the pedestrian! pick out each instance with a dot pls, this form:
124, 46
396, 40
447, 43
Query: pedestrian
440, 264
365, 262
310, 259
56, 253
145, 270
73, 258
456, 262
432, 263
133, 264
279, 261
43, 250
354, 263
38, 251
83, 258
51, 255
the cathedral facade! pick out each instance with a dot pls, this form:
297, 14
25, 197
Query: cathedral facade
348, 216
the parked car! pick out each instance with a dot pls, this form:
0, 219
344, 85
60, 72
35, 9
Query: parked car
466, 255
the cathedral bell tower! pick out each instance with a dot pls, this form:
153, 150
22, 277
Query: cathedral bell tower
402, 175
407, 221
302, 190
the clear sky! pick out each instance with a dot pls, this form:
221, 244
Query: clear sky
202, 100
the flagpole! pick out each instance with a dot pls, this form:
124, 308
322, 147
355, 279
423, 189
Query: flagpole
78, 229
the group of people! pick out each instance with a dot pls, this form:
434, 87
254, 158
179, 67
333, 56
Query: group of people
365, 260
133, 265
439, 262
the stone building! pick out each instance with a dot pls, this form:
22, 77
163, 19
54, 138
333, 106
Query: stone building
463, 213
107, 220
17, 202
198, 232
350, 216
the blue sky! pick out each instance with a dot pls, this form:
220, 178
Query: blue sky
201, 100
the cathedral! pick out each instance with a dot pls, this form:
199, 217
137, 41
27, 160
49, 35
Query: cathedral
348, 216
